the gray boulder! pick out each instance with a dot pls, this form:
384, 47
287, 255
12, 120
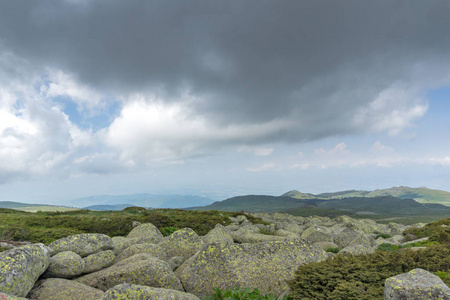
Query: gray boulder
10, 297
83, 244
218, 235
265, 266
358, 249
21, 267
146, 233
151, 249
317, 234
65, 264
139, 292
176, 261
63, 289
141, 269
184, 242
98, 261
416, 284
121, 243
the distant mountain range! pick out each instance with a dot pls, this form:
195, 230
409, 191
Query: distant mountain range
396, 201
116, 202
422, 194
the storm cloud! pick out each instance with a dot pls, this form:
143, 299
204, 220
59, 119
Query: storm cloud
195, 76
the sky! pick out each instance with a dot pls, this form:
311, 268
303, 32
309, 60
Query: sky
222, 98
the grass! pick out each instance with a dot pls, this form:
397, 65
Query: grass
45, 227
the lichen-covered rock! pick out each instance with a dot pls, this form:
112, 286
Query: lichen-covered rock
416, 284
141, 269
218, 235
346, 237
327, 245
176, 261
121, 243
317, 234
10, 297
21, 267
265, 266
98, 261
252, 238
357, 249
65, 264
151, 249
146, 233
63, 289
139, 292
241, 218
184, 242
285, 233
83, 244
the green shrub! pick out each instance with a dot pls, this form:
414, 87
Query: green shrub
242, 294
383, 235
332, 250
166, 231
362, 276
388, 247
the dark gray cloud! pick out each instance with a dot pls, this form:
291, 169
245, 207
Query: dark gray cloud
317, 63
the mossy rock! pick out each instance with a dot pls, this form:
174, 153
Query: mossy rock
21, 267
138, 292
141, 269
65, 264
121, 243
63, 289
151, 249
184, 242
416, 284
265, 266
218, 235
146, 233
83, 244
10, 297
98, 261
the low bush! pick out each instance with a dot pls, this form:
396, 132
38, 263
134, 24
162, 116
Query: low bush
166, 231
363, 276
242, 294
332, 250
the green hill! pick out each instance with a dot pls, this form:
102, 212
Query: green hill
257, 203
422, 194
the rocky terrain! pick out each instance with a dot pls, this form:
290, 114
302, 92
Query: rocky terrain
183, 265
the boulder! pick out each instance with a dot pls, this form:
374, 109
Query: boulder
21, 267
121, 243
348, 236
146, 233
98, 261
218, 235
138, 292
317, 234
327, 245
265, 266
184, 242
257, 237
83, 244
151, 249
65, 264
141, 269
357, 249
175, 262
58, 289
416, 284
10, 297
63, 289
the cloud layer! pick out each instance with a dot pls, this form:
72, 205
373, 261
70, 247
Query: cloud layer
194, 79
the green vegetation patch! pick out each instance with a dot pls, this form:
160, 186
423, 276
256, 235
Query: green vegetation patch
437, 231
45, 227
242, 294
363, 276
